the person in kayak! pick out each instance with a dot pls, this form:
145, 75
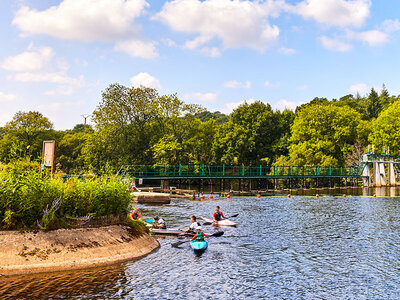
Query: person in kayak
159, 223
199, 236
135, 215
193, 225
218, 215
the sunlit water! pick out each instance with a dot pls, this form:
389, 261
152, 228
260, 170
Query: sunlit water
297, 248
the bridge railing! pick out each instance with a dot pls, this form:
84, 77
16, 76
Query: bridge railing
221, 171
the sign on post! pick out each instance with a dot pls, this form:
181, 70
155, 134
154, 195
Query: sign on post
140, 180
49, 154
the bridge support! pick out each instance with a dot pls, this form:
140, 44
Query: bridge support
392, 175
379, 173
366, 172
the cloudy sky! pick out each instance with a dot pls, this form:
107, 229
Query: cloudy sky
57, 56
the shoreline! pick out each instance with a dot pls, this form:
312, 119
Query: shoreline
28, 252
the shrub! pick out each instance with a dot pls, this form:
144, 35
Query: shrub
27, 197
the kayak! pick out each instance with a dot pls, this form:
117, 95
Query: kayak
170, 231
198, 246
224, 222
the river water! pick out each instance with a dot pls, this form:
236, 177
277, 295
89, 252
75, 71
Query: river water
283, 248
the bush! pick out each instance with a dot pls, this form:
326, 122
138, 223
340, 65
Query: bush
27, 197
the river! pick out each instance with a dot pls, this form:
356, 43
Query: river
283, 248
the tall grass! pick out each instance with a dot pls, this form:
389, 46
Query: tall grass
27, 197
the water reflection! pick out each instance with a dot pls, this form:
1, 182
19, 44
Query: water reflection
302, 247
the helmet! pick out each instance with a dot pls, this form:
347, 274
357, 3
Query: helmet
198, 228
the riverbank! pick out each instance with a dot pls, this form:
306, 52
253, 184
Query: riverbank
25, 252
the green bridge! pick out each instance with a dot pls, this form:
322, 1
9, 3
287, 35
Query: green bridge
194, 171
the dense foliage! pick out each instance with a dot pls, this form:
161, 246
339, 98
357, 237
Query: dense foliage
31, 199
140, 126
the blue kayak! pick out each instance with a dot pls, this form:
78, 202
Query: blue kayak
198, 246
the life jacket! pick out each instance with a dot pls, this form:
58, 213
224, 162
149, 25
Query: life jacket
199, 237
134, 216
218, 216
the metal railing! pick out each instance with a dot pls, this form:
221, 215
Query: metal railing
237, 171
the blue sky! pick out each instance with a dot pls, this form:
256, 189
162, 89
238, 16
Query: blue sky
57, 56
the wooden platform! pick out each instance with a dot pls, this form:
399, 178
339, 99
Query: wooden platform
151, 198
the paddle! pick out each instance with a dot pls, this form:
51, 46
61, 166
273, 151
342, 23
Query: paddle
218, 233
209, 223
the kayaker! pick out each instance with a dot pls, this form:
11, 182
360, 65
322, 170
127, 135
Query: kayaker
135, 215
199, 236
218, 215
193, 225
159, 223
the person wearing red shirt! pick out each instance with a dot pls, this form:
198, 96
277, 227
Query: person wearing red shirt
199, 236
218, 215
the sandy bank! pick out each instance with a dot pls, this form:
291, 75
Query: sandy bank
65, 249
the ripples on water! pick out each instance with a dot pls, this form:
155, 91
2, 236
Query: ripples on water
303, 247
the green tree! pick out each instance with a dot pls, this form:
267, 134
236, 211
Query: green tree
24, 135
323, 135
70, 151
138, 126
374, 105
386, 129
248, 136
384, 98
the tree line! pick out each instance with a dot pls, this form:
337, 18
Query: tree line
139, 126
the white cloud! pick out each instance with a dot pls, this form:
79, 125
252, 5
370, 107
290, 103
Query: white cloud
169, 42
287, 51
231, 106
211, 51
7, 97
201, 97
38, 65
370, 37
335, 44
86, 20
90, 20
32, 60
360, 88
237, 85
271, 84
339, 13
48, 77
146, 80
236, 23
137, 48
285, 104
390, 26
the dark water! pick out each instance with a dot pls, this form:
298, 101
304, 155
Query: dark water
298, 248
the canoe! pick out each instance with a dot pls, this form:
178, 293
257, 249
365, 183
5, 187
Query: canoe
198, 246
170, 232
224, 222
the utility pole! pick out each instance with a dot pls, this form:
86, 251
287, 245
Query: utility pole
84, 121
